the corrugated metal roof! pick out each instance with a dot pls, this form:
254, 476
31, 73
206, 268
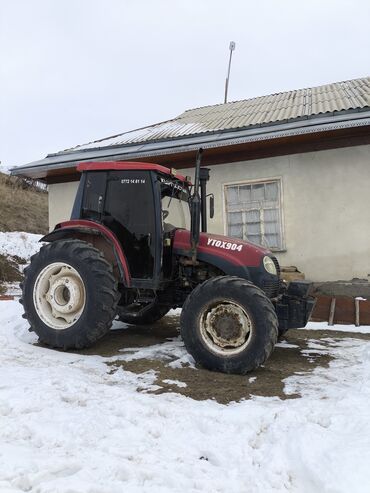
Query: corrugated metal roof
336, 121
264, 110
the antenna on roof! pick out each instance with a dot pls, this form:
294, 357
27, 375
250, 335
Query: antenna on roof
231, 48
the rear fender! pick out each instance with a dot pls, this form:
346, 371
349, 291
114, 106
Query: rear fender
101, 238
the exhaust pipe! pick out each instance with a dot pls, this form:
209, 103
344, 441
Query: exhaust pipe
203, 178
195, 208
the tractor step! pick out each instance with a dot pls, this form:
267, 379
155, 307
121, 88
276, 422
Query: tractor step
145, 299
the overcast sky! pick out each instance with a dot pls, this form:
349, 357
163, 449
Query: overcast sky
72, 71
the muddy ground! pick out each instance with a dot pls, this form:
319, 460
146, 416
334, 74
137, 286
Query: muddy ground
290, 357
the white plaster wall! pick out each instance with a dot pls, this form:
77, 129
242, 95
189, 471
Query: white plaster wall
61, 199
326, 208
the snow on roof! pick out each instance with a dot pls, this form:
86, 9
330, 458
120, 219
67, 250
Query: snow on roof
273, 108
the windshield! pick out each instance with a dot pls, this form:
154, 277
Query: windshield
175, 205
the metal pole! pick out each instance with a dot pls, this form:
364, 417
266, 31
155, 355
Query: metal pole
195, 205
203, 178
231, 48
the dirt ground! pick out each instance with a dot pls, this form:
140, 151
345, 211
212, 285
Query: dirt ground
288, 358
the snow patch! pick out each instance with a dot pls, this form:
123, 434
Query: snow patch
69, 423
23, 245
285, 344
175, 382
172, 351
363, 329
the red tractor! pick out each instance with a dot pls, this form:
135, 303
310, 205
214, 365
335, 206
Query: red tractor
133, 249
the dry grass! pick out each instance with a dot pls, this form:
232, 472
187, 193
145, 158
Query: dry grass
22, 209
9, 269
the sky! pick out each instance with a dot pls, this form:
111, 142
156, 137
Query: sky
72, 71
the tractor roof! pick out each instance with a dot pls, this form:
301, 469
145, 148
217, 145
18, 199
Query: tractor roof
130, 165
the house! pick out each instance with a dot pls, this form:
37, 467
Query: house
290, 171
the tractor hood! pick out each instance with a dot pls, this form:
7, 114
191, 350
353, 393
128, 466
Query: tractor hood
230, 250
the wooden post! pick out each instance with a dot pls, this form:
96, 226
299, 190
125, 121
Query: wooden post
332, 311
357, 312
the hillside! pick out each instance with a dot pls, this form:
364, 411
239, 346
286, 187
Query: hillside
22, 207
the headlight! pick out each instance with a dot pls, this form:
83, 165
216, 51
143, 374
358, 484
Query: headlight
269, 265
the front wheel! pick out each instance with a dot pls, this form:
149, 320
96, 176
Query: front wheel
229, 325
69, 294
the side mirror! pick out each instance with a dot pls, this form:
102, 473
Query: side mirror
211, 206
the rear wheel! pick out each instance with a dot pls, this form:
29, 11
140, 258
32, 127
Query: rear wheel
228, 324
69, 294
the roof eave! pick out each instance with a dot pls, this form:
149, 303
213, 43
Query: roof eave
206, 140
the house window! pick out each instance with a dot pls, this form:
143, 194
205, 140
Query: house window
253, 212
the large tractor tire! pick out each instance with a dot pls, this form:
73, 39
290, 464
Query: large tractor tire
229, 325
69, 294
153, 314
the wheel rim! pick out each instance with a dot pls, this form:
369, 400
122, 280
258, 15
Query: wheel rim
226, 328
59, 295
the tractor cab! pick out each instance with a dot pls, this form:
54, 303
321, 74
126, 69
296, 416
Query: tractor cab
142, 204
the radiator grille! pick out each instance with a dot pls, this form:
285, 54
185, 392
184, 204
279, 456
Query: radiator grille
272, 286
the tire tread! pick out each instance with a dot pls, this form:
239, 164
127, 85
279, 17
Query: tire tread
106, 308
250, 290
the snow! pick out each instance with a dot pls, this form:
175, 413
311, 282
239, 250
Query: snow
174, 348
167, 128
24, 245
4, 169
175, 382
18, 243
68, 424
285, 344
363, 329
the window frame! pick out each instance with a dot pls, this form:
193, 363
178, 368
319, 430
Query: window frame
262, 181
